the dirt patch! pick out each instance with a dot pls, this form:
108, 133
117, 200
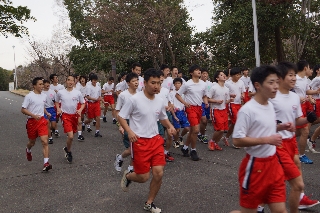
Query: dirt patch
21, 92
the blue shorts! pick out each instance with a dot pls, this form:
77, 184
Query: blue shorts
53, 113
205, 111
126, 141
183, 120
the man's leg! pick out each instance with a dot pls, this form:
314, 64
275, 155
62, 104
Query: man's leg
69, 140
155, 184
45, 148
296, 187
192, 136
303, 132
277, 207
203, 125
30, 144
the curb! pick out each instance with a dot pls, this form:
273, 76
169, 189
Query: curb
17, 93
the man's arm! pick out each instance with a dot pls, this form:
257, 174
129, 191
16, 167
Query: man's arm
275, 139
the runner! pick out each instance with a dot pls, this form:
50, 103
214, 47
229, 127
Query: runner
194, 92
147, 144
81, 86
34, 107
261, 178
107, 91
121, 86
219, 97
167, 81
132, 80
50, 107
246, 80
69, 97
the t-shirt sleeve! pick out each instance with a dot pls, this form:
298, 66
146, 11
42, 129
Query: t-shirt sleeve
127, 109
243, 87
119, 102
242, 125
163, 114
182, 90
81, 99
299, 110
26, 101
57, 98
88, 91
210, 93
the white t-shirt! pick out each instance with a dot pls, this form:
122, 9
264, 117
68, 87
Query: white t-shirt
167, 83
143, 114
209, 85
108, 87
246, 81
90, 84
57, 87
140, 86
164, 94
51, 96
218, 92
93, 92
121, 86
193, 92
301, 86
251, 87
255, 121
176, 103
35, 103
287, 108
236, 88
82, 89
123, 99
69, 100
315, 85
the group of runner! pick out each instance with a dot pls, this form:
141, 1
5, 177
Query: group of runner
264, 113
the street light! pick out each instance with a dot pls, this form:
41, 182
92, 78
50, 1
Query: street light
256, 39
15, 68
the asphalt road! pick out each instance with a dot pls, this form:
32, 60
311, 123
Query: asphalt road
91, 184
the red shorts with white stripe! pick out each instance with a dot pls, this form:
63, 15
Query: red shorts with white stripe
286, 152
146, 153
219, 119
37, 128
233, 111
69, 122
261, 181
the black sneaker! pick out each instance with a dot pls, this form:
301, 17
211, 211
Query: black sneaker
50, 141
46, 167
185, 152
151, 208
89, 129
94, 123
125, 182
68, 154
83, 128
114, 121
80, 138
56, 134
194, 155
97, 134
104, 119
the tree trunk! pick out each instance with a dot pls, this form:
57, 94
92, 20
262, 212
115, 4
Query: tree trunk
279, 45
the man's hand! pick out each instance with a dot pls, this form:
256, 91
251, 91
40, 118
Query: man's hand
121, 130
132, 137
302, 100
37, 117
171, 131
78, 112
219, 101
289, 126
187, 105
59, 112
275, 139
176, 118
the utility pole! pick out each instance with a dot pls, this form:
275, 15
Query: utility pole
15, 69
256, 39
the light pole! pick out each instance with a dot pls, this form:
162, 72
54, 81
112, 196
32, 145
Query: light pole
15, 68
255, 33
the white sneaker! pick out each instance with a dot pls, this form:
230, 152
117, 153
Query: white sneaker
151, 208
309, 143
118, 163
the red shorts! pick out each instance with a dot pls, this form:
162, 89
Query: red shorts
84, 109
233, 111
146, 153
317, 108
261, 181
286, 153
219, 119
309, 106
69, 122
246, 97
94, 110
108, 100
37, 128
194, 114
304, 114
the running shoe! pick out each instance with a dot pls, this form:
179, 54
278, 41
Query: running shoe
204, 139
89, 129
311, 145
114, 121
68, 154
125, 182
46, 167
29, 155
199, 137
235, 146
194, 155
176, 144
225, 141
94, 122
262, 211
151, 208
185, 152
181, 141
306, 202
50, 141
80, 138
169, 158
211, 145
104, 119
217, 147
97, 135
304, 159
118, 163
56, 133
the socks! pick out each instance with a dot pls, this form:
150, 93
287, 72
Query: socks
88, 126
83, 124
50, 138
260, 208
79, 133
301, 196
28, 150
130, 168
45, 160
56, 130
193, 149
165, 152
119, 157
97, 131
185, 147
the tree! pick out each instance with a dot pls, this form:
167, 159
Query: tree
11, 16
5, 77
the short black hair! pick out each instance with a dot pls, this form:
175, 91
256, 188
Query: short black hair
111, 78
51, 77
136, 64
284, 67
316, 67
85, 78
35, 80
93, 77
131, 76
151, 72
302, 64
194, 67
45, 81
161, 73
203, 69
75, 75
164, 66
259, 74
177, 80
216, 74
226, 72
179, 71
235, 71
174, 67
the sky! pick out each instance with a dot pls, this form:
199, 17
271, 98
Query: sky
43, 11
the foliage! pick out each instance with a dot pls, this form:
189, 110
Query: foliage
6, 76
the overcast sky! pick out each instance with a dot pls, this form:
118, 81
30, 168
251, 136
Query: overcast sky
43, 11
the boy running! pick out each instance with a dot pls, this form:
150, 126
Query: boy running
107, 91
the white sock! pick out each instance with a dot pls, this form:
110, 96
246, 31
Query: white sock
56, 130
79, 133
119, 157
28, 150
260, 208
301, 195
185, 147
45, 160
165, 152
50, 138
97, 131
113, 119
83, 124
88, 126
130, 168
193, 149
